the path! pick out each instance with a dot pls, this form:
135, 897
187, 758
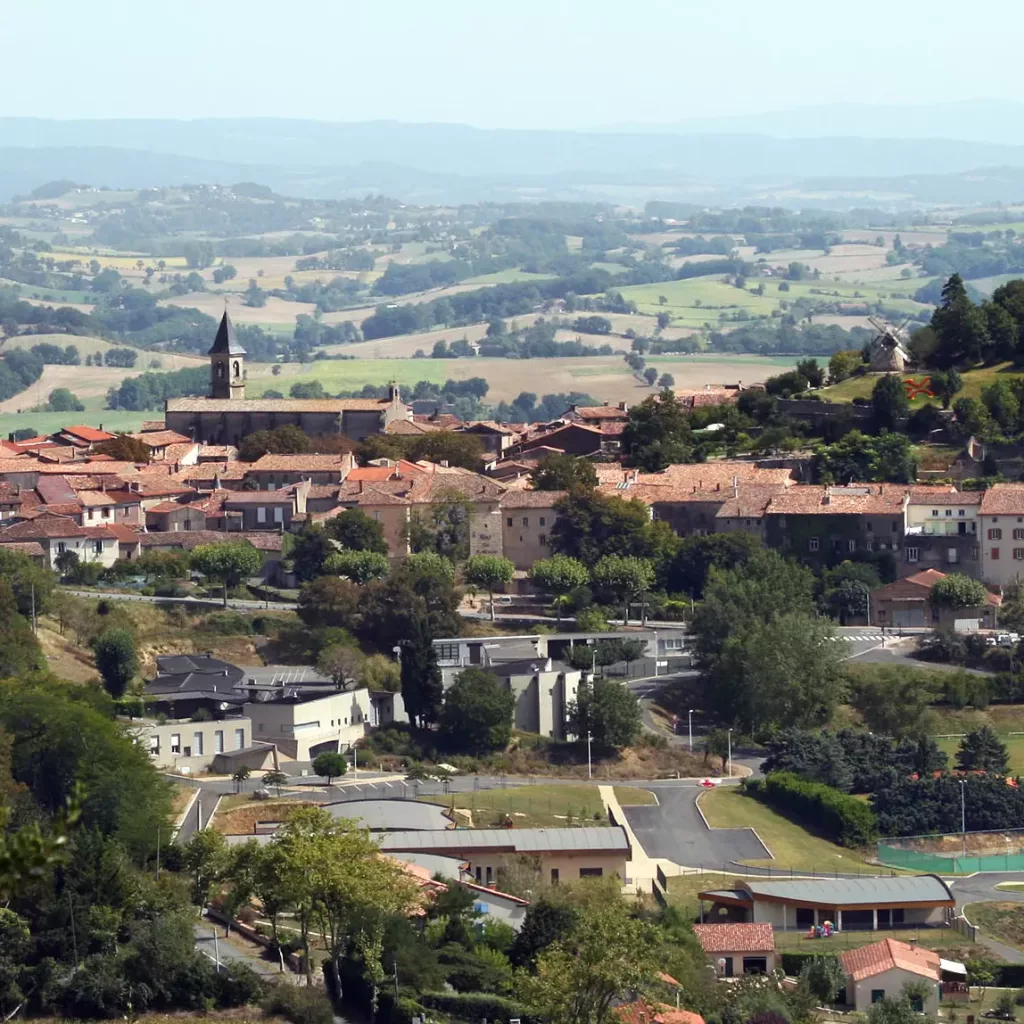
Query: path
226, 950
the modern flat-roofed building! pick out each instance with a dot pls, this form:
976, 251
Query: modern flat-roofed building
563, 854
851, 904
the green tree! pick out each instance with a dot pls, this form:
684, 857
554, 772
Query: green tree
981, 750
228, 563
421, 676
62, 400
284, 440
477, 712
239, 776
856, 456
811, 372
892, 1011
559, 472
329, 601
378, 672
658, 433
626, 577
697, 556
488, 572
275, 779
945, 385
666, 380
340, 663
650, 375
30, 583
606, 709
890, 403
205, 857
355, 530
824, 977
330, 765
558, 576
957, 591
358, 566
310, 550
843, 365
577, 979
116, 660
67, 563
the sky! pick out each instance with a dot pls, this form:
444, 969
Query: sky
571, 64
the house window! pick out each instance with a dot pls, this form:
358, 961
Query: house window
812, 544
1018, 534
543, 538
106, 513
672, 643
240, 738
949, 511
154, 744
867, 526
961, 512
935, 511
175, 742
218, 741
995, 534
278, 514
1018, 554
261, 514
61, 547
447, 652
913, 554
508, 522
97, 546
376, 515
591, 872
197, 744
877, 995
526, 521
554, 876
755, 965
851, 545
995, 554
543, 521
187, 524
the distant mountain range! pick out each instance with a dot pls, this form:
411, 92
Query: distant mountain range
456, 163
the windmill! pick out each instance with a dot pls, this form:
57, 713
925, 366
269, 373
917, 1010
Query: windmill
887, 351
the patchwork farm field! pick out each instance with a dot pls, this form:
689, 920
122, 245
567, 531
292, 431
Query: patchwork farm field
606, 378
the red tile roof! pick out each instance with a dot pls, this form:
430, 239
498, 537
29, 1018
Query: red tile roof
302, 463
735, 938
161, 438
90, 434
883, 956
1003, 499
518, 498
32, 548
643, 1012
43, 527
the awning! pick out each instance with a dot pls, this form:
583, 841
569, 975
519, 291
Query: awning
952, 967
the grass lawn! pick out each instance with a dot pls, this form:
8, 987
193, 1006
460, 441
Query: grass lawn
510, 276
974, 381
1011, 886
542, 806
1014, 744
943, 940
48, 422
793, 847
1003, 921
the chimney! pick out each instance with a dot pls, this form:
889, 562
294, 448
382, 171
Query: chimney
718, 486
828, 494
624, 406
735, 486
444, 464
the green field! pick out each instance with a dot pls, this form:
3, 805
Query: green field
793, 848
510, 276
55, 295
540, 806
49, 422
1013, 744
1003, 921
974, 381
86, 346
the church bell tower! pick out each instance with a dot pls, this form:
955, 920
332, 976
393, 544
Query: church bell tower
227, 363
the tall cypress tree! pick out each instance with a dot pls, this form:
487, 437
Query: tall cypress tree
421, 675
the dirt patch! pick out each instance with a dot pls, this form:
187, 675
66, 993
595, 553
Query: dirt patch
242, 821
64, 658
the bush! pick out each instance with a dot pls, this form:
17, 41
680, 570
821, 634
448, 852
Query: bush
475, 1005
226, 624
238, 985
299, 1005
841, 817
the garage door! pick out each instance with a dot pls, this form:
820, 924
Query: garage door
908, 617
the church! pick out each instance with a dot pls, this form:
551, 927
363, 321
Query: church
227, 415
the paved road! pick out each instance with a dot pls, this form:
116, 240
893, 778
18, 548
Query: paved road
226, 950
202, 602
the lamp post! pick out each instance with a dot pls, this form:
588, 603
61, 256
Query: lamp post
963, 816
730, 753
689, 717
590, 770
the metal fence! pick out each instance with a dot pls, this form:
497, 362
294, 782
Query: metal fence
917, 860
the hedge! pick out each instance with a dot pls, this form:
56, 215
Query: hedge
475, 1006
841, 817
792, 963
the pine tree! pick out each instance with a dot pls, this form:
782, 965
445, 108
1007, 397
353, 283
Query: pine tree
982, 751
421, 675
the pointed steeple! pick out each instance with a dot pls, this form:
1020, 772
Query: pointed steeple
226, 343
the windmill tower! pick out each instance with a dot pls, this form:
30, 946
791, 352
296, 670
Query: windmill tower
888, 353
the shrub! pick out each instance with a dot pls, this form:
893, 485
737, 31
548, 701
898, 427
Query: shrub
226, 624
476, 1005
300, 1005
843, 818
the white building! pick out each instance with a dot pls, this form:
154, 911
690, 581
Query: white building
1001, 526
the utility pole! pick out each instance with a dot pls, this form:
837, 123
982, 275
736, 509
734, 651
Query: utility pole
963, 816
216, 947
590, 770
730, 753
689, 716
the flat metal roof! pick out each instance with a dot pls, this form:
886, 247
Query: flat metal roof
843, 891
518, 840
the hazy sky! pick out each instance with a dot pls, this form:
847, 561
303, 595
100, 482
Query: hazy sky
525, 63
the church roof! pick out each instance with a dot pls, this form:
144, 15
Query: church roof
226, 343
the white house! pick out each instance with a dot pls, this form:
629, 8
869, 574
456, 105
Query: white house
884, 969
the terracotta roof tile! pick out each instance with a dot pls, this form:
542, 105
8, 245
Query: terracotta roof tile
90, 434
32, 548
1003, 499
850, 499
43, 527
269, 540
644, 1012
735, 938
302, 463
883, 956
161, 438
600, 412
517, 498
123, 532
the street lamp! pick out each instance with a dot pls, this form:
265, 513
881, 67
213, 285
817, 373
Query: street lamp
689, 716
963, 816
730, 753
590, 770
